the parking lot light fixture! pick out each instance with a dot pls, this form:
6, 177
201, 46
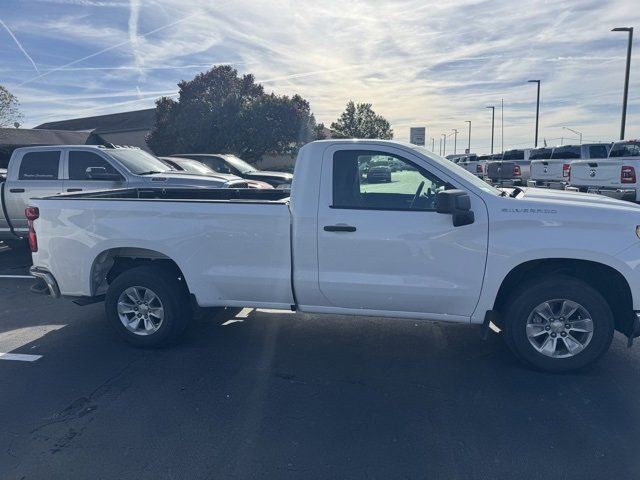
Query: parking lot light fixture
626, 77
576, 132
493, 118
455, 140
469, 137
537, 111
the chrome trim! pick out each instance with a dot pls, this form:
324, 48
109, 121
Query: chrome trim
48, 278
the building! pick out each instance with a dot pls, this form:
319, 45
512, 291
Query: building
126, 128
12, 138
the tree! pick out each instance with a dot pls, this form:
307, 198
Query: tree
360, 121
220, 112
9, 111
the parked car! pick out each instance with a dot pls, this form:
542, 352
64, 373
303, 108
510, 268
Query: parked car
44, 171
556, 271
225, 163
615, 176
379, 170
553, 172
188, 165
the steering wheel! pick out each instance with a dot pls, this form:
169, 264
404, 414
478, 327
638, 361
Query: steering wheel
417, 194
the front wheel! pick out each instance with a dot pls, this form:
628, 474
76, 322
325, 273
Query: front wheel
148, 306
559, 324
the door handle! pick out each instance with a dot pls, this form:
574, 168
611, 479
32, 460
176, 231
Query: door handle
16, 190
74, 189
339, 228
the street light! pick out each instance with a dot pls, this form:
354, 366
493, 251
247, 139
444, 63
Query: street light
626, 77
469, 139
444, 144
455, 140
576, 132
493, 117
537, 110
441, 146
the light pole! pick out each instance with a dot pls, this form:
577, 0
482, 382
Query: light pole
433, 144
537, 110
493, 118
576, 132
626, 77
444, 144
441, 146
469, 138
455, 140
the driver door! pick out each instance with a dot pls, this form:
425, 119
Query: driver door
381, 245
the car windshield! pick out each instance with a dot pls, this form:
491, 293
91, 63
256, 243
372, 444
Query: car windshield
540, 154
379, 162
239, 164
627, 149
513, 155
138, 162
568, 151
455, 170
195, 167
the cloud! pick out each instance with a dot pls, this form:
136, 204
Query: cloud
428, 63
35, 67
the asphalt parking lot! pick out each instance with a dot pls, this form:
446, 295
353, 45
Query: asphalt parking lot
264, 394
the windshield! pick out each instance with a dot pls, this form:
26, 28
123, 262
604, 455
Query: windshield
138, 162
240, 164
195, 166
627, 149
456, 170
568, 151
540, 154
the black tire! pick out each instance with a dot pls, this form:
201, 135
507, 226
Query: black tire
525, 300
165, 283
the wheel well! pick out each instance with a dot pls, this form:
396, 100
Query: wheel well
113, 262
606, 280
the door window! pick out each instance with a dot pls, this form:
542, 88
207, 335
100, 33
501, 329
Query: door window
40, 166
382, 181
80, 161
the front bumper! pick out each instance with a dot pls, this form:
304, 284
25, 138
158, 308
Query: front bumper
48, 279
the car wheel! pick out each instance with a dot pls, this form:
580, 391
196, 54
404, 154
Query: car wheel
148, 306
558, 325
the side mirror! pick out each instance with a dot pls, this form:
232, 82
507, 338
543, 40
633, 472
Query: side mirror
457, 203
100, 173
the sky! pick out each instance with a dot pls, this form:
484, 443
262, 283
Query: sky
420, 63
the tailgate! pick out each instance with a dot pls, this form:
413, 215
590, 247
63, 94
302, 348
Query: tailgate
601, 172
550, 170
500, 170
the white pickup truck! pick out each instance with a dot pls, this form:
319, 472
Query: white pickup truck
556, 271
615, 176
554, 171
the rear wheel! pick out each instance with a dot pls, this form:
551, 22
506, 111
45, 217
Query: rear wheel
148, 306
558, 324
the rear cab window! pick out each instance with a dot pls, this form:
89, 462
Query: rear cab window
567, 151
626, 149
41, 165
598, 151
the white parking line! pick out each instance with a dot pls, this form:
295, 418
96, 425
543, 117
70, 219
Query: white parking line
21, 357
17, 276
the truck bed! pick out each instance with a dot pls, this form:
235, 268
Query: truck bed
235, 242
